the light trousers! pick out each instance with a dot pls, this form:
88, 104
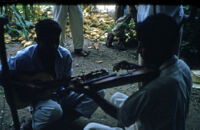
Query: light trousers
117, 99
44, 113
60, 13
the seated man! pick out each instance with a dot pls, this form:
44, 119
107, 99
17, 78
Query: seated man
162, 103
47, 56
175, 11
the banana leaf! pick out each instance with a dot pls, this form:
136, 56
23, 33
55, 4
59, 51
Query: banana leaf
33, 15
13, 31
28, 24
27, 12
1, 10
21, 21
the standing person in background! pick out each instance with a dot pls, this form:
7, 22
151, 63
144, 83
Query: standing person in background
120, 10
60, 13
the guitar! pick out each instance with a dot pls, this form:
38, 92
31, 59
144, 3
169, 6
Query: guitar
28, 88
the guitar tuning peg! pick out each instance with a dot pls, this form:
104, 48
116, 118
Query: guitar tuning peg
105, 70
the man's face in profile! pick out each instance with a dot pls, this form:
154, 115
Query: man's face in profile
141, 49
146, 52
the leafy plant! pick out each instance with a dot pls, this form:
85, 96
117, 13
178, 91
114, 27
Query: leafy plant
110, 27
106, 28
1, 91
21, 21
190, 47
132, 24
26, 12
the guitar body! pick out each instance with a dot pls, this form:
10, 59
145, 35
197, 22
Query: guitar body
28, 88
25, 90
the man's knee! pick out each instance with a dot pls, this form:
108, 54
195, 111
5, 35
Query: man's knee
47, 113
102, 93
57, 112
118, 98
90, 126
95, 126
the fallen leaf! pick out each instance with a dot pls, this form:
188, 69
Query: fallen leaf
196, 76
33, 30
6, 35
96, 46
49, 12
77, 65
28, 43
99, 61
23, 42
21, 38
7, 41
14, 39
34, 36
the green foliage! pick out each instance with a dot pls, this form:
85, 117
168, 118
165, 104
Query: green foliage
107, 28
190, 47
89, 24
82, 70
125, 24
21, 21
1, 91
132, 24
13, 31
27, 12
186, 9
22, 18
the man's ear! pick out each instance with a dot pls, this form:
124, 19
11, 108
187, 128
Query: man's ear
36, 40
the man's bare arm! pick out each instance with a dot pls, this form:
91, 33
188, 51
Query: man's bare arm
109, 108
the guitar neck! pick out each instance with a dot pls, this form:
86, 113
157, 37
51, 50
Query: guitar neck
133, 77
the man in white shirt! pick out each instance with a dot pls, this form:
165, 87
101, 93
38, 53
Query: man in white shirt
175, 12
162, 103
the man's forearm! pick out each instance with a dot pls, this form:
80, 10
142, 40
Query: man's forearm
109, 108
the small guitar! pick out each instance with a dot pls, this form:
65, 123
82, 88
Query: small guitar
28, 88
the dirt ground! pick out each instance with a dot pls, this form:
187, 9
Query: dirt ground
108, 57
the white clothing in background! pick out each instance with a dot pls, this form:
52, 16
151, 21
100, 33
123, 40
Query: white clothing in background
75, 14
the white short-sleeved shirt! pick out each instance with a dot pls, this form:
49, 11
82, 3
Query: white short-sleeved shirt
146, 10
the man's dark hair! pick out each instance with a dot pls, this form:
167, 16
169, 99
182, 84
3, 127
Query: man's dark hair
160, 34
45, 28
